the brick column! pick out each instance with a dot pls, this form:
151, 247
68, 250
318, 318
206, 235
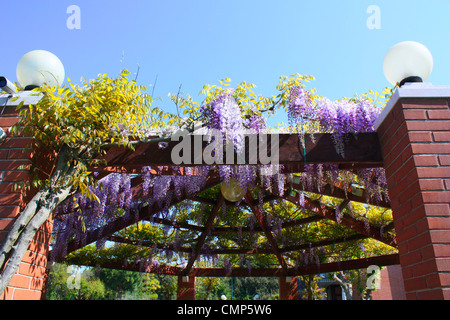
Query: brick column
28, 282
414, 132
288, 289
186, 288
391, 284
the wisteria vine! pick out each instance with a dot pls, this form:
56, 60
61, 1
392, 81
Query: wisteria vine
114, 199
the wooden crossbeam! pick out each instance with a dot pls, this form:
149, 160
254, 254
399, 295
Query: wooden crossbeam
290, 248
347, 221
360, 151
210, 201
142, 266
337, 192
218, 230
384, 260
176, 224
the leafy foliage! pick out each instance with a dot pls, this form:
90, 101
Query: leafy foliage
99, 284
86, 118
62, 284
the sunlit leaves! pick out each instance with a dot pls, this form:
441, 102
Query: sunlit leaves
87, 117
98, 111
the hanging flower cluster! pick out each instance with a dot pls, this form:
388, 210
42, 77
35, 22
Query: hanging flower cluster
156, 186
78, 214
300, 107
224, 114
341, 117
114, 198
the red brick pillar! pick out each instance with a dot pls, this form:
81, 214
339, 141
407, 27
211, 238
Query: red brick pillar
28, 282
415, 139
391, 284
288, 288
186, 288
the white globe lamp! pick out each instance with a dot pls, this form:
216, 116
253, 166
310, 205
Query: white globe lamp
38, 67
407, 61
232, 190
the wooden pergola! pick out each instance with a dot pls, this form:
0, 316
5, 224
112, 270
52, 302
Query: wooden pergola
360, 150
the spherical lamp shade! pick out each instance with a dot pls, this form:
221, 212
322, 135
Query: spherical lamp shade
232, 190
38, 67
408, 61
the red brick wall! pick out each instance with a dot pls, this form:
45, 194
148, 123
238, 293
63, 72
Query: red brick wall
415, 140
391, 284
29, 280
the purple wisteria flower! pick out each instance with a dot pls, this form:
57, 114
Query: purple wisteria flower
301, 107
340, 116
224, 114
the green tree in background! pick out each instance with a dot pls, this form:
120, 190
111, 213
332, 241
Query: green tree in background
247, 288
68, 283
133, 285
311, 290
167, 289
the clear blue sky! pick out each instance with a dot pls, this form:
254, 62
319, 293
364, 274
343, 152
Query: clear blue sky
193, 42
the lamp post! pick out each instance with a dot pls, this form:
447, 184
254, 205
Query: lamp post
406, 62
33, 70
414, 134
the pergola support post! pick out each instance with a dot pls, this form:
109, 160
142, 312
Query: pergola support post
29, 281
288, 289
414, 132
186, 288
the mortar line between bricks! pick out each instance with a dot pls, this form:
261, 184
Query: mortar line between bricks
423, 261
399, 168
433, 288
